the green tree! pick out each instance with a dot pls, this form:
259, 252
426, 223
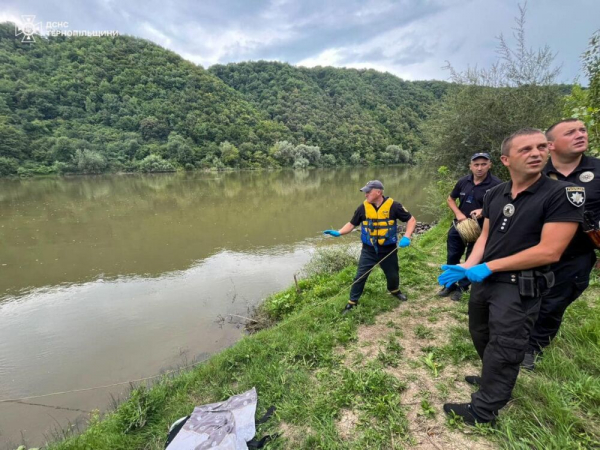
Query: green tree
283, 152
152, 128
486, 105
8, 166
12, 141
585, 105
310, 153
88, 161
578, 106
97, 94
230, 155
179, 149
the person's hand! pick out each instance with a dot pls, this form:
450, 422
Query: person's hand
476, 213
404, 242
451, 275
461, 217
333, 233
478, 273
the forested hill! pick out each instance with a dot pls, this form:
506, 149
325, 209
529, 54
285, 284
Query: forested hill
343, 111
94, 104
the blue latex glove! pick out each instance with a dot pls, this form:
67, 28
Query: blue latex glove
404, 242
451, 275
333, 233
478, 273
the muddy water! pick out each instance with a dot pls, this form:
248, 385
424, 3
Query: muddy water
115, 278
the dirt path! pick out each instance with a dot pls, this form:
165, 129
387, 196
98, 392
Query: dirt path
420, 323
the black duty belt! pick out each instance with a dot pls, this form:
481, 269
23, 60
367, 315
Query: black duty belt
531, 283
505, 277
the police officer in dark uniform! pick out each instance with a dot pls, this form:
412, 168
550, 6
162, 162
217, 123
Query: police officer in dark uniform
567, 142
529, 221
379, 234
470, 190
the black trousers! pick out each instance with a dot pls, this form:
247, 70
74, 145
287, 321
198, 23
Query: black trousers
572, 278
456, 248
368, 259
500, 321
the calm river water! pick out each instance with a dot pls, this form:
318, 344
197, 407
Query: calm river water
113, 278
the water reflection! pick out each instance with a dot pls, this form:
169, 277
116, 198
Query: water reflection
73, 230
113, 278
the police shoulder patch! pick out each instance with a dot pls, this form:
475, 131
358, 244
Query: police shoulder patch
575, 195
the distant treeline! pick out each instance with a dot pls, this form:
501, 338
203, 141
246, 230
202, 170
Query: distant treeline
95, 104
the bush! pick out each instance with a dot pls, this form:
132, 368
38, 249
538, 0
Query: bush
155, 163
331, 260
395, 154
438, 192
328, 161
301, 163
8, 166
31, 169
88, 161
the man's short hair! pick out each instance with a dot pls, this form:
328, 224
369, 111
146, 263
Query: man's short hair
551, 127
507, 142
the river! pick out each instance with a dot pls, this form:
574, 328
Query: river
105, 279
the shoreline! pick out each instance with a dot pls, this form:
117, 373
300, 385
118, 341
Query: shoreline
372, 380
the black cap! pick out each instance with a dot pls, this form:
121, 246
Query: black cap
375, 184
481, 155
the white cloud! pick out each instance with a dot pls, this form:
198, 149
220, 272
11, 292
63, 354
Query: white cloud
411, 38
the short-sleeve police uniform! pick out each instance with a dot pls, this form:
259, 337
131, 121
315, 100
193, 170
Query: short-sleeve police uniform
572, 272
470, 197
369, 257
500, 318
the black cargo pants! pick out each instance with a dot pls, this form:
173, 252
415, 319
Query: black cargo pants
456, 249
572, 278
368, 259
500, 321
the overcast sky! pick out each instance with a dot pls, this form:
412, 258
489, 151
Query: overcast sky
409, 38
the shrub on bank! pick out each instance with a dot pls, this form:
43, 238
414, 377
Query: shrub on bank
8, 166
154, 163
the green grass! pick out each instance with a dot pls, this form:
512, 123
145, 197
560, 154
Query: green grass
558, 405
298, 364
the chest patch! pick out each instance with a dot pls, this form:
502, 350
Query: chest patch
575, 195
508, 210
586, 177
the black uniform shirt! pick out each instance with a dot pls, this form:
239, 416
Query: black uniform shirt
516, 224
586, 174
471, 195
397, 212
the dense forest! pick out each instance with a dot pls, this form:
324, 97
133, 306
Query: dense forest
95, 104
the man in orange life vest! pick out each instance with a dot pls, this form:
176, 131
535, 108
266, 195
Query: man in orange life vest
377, 217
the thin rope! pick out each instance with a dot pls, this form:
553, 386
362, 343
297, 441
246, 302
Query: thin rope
104, 386
277, 325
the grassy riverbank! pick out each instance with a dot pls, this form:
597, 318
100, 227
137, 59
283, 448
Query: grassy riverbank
375, 379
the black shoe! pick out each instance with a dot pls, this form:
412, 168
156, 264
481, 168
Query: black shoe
348, 308
446, 291
473, 379
465, 411
457, 294
400, 296
529, 361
